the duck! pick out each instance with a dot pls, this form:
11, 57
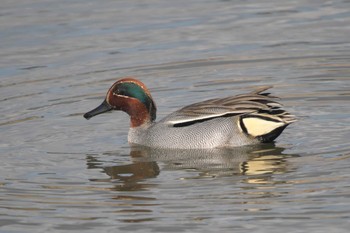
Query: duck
245, 119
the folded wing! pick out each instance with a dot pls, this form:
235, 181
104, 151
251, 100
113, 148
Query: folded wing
259, 114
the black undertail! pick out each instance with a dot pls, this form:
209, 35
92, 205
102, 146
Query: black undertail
270, 137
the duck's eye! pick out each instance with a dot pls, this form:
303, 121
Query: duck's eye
122, 89
118, 91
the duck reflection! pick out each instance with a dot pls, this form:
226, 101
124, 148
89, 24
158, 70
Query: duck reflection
254, 161
132, 174
249, 160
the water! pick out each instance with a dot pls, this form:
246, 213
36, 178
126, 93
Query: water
61, 173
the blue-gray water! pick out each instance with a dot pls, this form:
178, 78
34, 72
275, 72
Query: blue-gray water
61, 173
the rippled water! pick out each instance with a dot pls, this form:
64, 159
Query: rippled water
61, 173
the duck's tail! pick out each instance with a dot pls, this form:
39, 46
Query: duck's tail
266, 124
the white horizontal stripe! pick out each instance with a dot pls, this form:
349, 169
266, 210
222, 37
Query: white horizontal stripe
179, 121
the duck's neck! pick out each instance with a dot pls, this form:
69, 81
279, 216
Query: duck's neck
139, 114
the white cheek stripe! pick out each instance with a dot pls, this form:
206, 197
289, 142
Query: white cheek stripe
122, 96
114, 94
258, 127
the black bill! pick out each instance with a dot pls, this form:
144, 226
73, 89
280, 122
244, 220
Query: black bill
104, 107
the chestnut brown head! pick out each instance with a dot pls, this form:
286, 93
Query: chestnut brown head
131, 96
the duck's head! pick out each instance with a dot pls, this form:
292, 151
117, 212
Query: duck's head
131, 96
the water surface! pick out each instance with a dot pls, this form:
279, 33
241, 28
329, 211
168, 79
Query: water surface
61, 173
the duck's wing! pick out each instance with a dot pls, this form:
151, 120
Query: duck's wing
258, 104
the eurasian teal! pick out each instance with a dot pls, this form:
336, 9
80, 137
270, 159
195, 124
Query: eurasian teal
233, 121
